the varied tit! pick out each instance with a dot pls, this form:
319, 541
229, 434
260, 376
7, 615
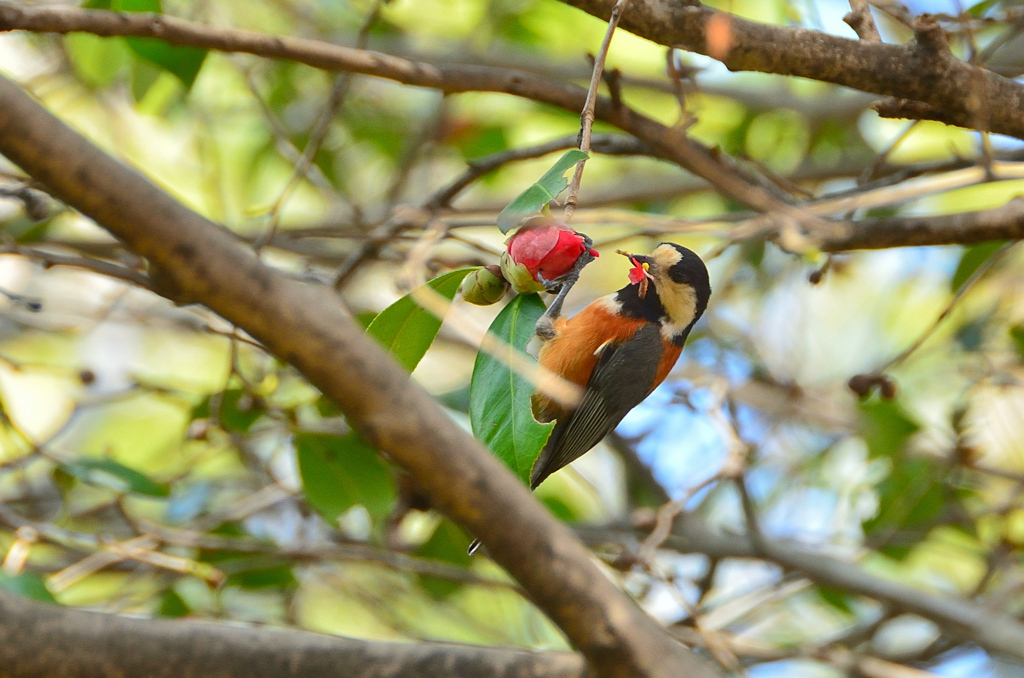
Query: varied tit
619, 348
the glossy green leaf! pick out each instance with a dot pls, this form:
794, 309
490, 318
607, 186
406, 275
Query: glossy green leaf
499, 399
973, 257
448, 544
406, 329
26, 585
183, 62
339, 472
531, 200
116, 476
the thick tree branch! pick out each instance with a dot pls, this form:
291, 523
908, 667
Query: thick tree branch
965, 228
982, 625
193, 260
989, 628
47, 641
665, 141
923, 70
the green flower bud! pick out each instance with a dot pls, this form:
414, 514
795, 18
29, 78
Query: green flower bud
519, 275
484, 286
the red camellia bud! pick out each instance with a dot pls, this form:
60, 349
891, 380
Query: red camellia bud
542, 249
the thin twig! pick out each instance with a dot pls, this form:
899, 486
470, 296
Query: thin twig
104, 268
589, 108
960, 292
861, 21
338, 92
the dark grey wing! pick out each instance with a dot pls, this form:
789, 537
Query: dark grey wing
621, 379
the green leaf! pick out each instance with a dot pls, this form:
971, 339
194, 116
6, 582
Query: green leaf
173, 605
982, 7
837, 598
886, 428
26, 585
96, 61
914, 497
183, 62
536, 196
116, 476
560, 509
448, 544
1017, 334
973, 257
476, 141
910, 499
406, 329
237, 411
499, 399
339, 472
258, 572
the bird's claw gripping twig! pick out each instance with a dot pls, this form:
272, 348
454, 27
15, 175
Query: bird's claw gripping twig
545, 327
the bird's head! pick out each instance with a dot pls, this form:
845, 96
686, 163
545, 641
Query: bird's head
680, 284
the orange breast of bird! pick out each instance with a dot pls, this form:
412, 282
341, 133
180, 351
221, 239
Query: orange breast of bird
574, 351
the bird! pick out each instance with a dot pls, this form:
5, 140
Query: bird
618, 349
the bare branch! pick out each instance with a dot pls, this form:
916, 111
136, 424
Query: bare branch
861, 21
713, 166
47, 641
922, 70
106, 268
587, 117
965, 228
963, 618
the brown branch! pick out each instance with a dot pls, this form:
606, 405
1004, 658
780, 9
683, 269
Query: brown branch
922, 70
989, 628
450, 78
47, 641
964, 228
861, 21
306, 325
608, 144
394, 560
105, 268
587, 116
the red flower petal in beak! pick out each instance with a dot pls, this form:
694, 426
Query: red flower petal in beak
637, 273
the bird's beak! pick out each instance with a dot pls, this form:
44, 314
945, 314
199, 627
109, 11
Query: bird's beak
639, 273
641, 265
641, 260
